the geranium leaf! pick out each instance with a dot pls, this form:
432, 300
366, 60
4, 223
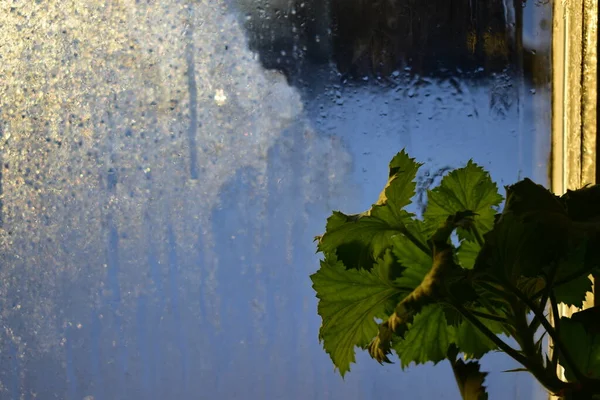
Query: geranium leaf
583, 344
358, 240
464, 189
427, 339
472, 342
349, 302
467, 253
470, 379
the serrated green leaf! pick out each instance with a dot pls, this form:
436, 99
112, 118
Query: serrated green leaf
453, 317
470, 380
401, 185
566, 222
467, 253
429, 285
573, 293
349, 302
472, 342
583, 346
416, 261
574, 289
358, 240
514, 249
589, 318
530, 285
427, 339
464, 189
443, 271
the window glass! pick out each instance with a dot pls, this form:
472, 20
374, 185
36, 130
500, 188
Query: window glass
165, 166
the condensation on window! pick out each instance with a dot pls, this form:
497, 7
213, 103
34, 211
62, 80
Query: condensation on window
166, 165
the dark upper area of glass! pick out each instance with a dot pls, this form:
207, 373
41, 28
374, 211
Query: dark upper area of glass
376, 38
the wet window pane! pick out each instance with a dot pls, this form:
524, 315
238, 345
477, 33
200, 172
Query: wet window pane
166, 165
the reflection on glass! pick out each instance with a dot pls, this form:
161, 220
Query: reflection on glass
165, 166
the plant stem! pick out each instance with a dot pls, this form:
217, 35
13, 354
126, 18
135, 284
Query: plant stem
556, 319
451, 355
491, 288
489, 316
525, 336
567, 279
478, 236
552, 332
424, 248
545, 294
552, 383
491, 311
489, 334
549, 285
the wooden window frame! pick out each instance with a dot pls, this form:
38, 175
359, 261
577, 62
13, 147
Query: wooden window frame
574, 102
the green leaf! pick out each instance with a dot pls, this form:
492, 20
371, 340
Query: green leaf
472, 342
584, 347
349, 302
573, 293
358, 240
425, 280
453, 317
514, 249
570, 288
589, 318
525, 197
435, 283
383, 264
427, 339
530, 285
467, 253
470, 380
401, 185
465, 189
411, 256
583, 204
565, 223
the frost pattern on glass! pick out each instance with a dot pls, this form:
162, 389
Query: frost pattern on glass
122, 123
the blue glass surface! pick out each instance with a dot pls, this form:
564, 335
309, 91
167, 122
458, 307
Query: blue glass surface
161, 190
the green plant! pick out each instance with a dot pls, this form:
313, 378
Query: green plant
456, 280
